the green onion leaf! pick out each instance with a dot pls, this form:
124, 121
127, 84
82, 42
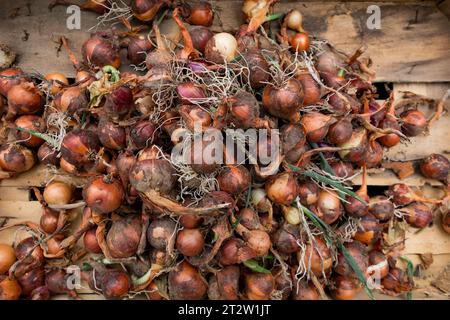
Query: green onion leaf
254, 266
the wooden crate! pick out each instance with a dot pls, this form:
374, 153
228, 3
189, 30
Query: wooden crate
411, 51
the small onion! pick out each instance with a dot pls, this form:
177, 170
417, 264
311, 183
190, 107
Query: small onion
7, 83
155, 174
286, 239
161, 232
100, 51
24, 98
258, 286
9, 288
90, 241
234, 179
71, 100
344, 288
200, 36
200, 14
111, 135
369, 230
57, 80
124, 236
341, 131
381, 208
359, 253
78, 145
299, 41
304, 290
378, 264
137, 49
284, 102
329, 206
317, 257
119, 102
316, 125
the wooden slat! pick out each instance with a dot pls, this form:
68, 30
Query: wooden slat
39, 176
14, 194
444, 6
397, 49
19, 211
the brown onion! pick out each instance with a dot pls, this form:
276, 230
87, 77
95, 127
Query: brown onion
381, 208
292, 139
115, 284
9, 288
354, 149
32, 123
308, 192
435, 166
71, 100
7, 83
285, 101
342, 169
316, 125
78, 146
299, 41
7, 258
359, 253
154, 174
446, 222
317, 256
378, 264
258, 68
57, 81
190, 242
200, 36
24, 98
341, 131
391, 139
200, 14
161, 232
31, 280
190, 93
329, 206
286, 238
137, 49
258, 286
282, 188
111, 135
304, 290
146, 10
16, 158
403, 195
311, 89
234, 179
195, 116
58, 193
344, 288
186, 283
225, 284
143, 134
124, 236
369, 230
49, 221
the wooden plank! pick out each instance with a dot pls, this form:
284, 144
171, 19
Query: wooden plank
444, 6
383, 177
39, 176
14, 194
18, 211
397, 49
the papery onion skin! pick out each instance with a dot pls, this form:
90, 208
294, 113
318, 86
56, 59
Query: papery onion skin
160, 232
115, 284
318, 257
344, 288
137, 49
316, 125
311, 89
111, 135
381, 208
31, 280
258, 68
154, 174
90, 241
340, 132
359, 253
200, 14
119, 102
329, 206
143, 134
200, 36
304, 290
418, 215
369, 230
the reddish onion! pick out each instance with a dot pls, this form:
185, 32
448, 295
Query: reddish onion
137, 49
317, 257
58, 193
200, 36
155, 174
190, 242
7, 83
103, 194
7, 257
304, 290
111, 135
145, 10
100, 51
344, 288
418, 215
435, 166
258, 68
413, 122
234, 179
316, 125
186, 283
49, 221
200, 14
341, 131
90, 241
71, 100
299, 41
57, 81
143, 134
381, 208
124, 236
115, 284
369, 230
161, 232
359, 253
258, 286
78, 145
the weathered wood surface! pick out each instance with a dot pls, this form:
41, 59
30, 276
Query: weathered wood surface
412, 44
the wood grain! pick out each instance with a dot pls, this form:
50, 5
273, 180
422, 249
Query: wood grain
397, 49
